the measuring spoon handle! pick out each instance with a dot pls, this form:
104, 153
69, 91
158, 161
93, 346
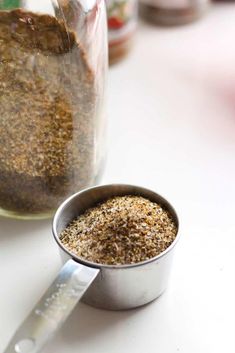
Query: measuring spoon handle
53, 308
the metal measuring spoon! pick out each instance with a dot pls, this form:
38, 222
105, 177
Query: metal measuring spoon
110, 287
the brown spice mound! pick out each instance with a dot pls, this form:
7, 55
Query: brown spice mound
122, 230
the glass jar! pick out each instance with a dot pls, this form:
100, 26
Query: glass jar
122, 22
172, 12
53, 64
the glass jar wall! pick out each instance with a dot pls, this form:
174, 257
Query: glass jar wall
53, 63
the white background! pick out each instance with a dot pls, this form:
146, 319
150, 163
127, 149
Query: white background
171, 128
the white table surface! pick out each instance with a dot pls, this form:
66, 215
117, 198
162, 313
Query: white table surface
171, 128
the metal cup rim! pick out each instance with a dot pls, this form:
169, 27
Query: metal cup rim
82, 261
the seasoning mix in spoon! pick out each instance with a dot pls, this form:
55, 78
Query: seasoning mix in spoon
122, 230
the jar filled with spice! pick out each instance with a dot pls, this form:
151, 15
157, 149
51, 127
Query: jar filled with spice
172, 12
53, 64
122, 21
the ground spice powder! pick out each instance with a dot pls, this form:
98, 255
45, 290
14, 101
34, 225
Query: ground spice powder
47, 112
121, 230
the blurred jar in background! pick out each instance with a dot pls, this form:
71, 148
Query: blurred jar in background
9, 4
122, 21
172, 12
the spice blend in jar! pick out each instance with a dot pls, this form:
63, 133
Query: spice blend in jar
122, 230
48, 113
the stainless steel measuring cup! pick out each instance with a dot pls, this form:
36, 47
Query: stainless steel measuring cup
105, 286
